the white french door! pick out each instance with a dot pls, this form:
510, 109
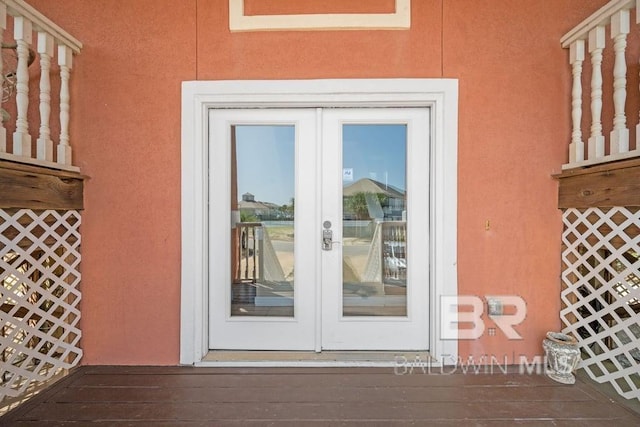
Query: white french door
319, 229
375, 281
262, 260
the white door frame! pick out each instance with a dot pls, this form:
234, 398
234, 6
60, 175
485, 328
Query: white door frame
441, 95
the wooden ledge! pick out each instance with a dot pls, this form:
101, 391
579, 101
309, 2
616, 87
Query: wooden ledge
603, 185
36, 187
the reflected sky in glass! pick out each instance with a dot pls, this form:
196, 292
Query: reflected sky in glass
266, 158
376, 152
266, 161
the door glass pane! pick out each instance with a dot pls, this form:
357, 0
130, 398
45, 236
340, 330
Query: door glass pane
262, 205
374, 264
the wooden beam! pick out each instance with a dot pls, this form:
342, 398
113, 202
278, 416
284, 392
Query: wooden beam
34, 187
606, 185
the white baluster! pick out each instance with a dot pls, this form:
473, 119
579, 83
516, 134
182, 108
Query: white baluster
596, 140
45, 49
65, 60
21, 137
620, 26
576, 147
3, 26
638, 125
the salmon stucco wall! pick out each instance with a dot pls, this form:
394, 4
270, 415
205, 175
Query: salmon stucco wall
513, 126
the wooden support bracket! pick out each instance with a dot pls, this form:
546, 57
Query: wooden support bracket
34, 187
604, 185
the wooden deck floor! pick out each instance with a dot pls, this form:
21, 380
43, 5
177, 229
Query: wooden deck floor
183, 396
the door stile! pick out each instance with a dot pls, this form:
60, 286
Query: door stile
317, 223
331, 211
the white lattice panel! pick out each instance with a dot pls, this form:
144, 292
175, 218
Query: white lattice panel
39, 296
601, 293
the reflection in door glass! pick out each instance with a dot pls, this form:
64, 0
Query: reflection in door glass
262, 205
374, 264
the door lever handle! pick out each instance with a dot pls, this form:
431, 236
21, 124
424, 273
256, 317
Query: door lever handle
327, 236
327, 240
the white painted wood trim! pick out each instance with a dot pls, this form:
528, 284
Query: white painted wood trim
601, 17
398, 20
318, 219
194, 290
3, 26
45, 144
65, 61
576, 146
59, 269
38, 162
42, 23
605, 159
3, 16
444, 221
441, 95
21, 139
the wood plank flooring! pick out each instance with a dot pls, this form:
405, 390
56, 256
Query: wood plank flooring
186, 396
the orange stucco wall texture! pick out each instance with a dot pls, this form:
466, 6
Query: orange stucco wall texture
513, 126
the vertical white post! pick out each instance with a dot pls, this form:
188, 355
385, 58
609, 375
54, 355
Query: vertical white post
45, 49
21, 137
576, 57
620, 27
260, 237
638, 130
596, 140
638, 125
3, 26
65, 61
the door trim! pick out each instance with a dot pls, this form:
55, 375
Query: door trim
441, 95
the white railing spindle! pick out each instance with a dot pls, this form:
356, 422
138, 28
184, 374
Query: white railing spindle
613, 17
21, 137
65, 60
596, 46
638, 125
26, 22
45, 49
3, 26
620, 27
576, 147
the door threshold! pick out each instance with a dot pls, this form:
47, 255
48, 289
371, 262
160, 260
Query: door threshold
259, 358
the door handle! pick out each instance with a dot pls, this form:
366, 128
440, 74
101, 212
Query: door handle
327, 240
327, 236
